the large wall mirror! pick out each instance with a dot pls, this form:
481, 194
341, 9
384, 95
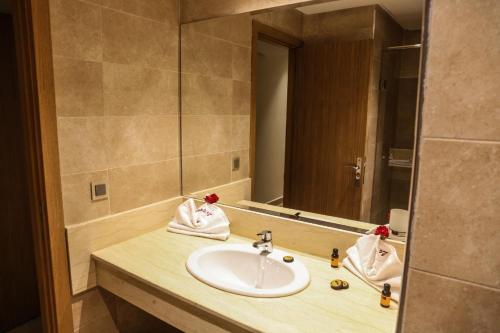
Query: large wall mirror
306, 112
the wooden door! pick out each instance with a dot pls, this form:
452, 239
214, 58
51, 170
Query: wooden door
35, 75
327, 127
18, 284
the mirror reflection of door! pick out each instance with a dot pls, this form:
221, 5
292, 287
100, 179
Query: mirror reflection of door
326, 126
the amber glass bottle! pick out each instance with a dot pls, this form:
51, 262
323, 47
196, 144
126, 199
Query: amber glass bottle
385, 298
335, 258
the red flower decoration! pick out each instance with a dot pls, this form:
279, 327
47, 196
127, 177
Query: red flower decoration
211, 198
383, 231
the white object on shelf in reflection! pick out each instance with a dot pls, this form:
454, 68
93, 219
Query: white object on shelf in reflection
398, 222
402, 158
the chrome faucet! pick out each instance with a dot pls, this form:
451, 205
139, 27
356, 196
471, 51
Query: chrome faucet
265, 245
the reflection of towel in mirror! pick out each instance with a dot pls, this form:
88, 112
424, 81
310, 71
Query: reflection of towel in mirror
376, 262
206, 221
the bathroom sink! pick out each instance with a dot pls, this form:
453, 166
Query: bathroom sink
241, 269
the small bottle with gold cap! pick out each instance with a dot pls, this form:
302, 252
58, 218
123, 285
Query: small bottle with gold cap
335, 258
385, 298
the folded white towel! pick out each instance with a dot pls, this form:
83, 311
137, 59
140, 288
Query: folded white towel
376, 262
207, 221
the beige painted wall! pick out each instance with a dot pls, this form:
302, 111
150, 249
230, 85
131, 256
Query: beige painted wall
453, 283
272, 87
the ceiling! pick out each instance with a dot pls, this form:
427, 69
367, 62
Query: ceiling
408, 13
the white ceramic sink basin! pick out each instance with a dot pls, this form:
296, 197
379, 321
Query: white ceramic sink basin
240, 269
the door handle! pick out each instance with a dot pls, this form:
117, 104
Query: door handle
357, 168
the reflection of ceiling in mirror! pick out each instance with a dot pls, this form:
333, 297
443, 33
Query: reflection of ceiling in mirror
408, 13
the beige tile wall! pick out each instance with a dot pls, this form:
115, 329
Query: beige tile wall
116, 80
216, 63
454, 275
116, 85
216, 95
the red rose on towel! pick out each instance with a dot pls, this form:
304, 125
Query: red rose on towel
383, 231
211, 198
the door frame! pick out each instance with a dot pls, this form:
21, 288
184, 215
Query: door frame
31, 19
264, 32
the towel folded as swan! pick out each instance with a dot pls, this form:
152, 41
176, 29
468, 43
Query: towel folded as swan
376, 262
206, 221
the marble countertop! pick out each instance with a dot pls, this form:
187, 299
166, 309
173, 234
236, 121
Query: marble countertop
158, 259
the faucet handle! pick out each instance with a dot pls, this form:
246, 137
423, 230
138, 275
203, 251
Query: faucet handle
266, 235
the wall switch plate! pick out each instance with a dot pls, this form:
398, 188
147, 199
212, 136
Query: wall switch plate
236, 163
99, 190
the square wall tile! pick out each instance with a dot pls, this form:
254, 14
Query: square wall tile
141, 139
462, 71
441, 305
78, 87
240, 133
204, 55
457, 221
81, 144
241, 97
207, 134
205, 171
242, 63
77, 201
140, 185
133, 90
133, 40
206, 95
76, 28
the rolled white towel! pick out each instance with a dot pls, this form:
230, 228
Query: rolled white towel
207, 221
376, 262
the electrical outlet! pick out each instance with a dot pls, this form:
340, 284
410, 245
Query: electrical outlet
236, 163
99, 190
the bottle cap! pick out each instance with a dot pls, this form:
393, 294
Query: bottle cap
387, 287
288, 259
336, 284
335, 251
